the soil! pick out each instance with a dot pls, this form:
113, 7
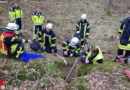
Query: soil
74, 73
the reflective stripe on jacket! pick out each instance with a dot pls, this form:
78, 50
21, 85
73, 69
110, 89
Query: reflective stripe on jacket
124, 42
15, 13
46, 38
37, 19
67, 47
82, 29
3, 46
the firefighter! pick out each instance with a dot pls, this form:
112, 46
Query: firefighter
92, 56
124, 39
10, 44
16, 16
71, 47
83, 29
38, 19
47, 39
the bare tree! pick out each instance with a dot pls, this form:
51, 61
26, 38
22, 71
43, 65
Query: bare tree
110, 6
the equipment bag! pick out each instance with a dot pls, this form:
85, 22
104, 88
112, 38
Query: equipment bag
35, 46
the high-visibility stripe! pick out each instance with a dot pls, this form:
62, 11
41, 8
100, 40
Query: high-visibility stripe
38, 20
39, 38
76, 51
19, 52
50, 40
119, 30
12, 39
13, 48
53, 38
23, 40
3, 51
52, 45
77, 31
80, 26
77, 25
65, 43
88, 26
122, 30
2, 45
85, 28
34, 34
87, 33
63, 48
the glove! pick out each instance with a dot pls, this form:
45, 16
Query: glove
118, 37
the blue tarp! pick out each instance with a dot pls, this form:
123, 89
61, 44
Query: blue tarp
26, 56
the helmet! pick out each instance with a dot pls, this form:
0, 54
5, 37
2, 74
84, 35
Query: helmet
12, 26
49, 25
74, 41
83, 16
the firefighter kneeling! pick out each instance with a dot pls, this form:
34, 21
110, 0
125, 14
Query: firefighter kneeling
10, 44
92, 56
71, 47
47, 39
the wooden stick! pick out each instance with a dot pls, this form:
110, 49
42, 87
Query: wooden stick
71, 69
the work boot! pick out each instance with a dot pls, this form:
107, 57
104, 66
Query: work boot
114, 60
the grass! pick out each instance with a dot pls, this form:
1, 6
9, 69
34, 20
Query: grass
69, 86
7, 67
81, 79
78, 83
54, 70
45, 81
81, 87
107, 66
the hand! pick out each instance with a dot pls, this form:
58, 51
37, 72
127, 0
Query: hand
65, 52
86, 61
83, 56
71, 54
29, 41
27, 64
14, 21
118, 37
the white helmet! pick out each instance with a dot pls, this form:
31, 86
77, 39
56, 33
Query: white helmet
83, 16
49, 25
12, 26
74, 41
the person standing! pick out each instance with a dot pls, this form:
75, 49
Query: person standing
16, 16
82, 29
124, 39
38, 19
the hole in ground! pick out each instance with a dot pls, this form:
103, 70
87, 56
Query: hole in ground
66, 69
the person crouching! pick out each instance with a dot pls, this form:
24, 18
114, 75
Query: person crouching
10, 44
71, 47
92, 56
